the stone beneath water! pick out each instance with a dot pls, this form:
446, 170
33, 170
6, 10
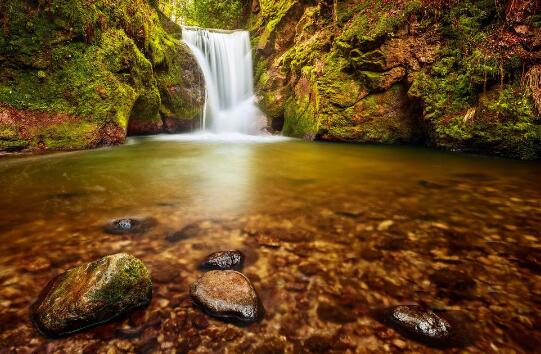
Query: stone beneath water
227, 295
453, 284
223, 260
187, 232
91, 294
423, 325
129, 226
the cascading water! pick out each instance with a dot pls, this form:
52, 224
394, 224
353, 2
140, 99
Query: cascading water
225, 59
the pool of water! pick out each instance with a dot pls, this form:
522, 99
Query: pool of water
330, 232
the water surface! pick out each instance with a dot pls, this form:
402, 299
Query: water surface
330, 232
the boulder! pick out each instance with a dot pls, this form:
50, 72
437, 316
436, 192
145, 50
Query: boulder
227, 295
91, 294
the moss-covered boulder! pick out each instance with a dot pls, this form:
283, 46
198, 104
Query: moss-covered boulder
92, 294
75, 75
454, 75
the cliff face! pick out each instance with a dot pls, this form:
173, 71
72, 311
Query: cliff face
461, 75
78, 74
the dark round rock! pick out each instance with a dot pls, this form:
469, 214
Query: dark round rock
227, 294
223, 260
91, 294
129, 226
421, 324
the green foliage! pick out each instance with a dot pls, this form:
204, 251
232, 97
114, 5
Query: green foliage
222, 14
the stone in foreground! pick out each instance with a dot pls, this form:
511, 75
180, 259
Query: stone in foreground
91, 294
421, 324
227, 295
129, 226
223, 260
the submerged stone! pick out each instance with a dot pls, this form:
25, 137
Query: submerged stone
335, 313
227, 295
421, 324
454, 284
129, 226
187, 232
223, 260
91, 294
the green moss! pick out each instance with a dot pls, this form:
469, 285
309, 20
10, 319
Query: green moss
70, 136
503, 122
299, 120
367, 24
96, 61
126, 279
10, 140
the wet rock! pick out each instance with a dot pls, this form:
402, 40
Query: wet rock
318, 344
223, 260
454, 284
187, 232
129, 226
371, 255
335, 313
268, 241
270, 348
393, 243
309, 269
348, 214
421, 324
200, 321
431, 185
92, 294
164, 272
529, 258
227, 295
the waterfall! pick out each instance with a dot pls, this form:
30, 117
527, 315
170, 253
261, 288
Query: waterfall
225, 59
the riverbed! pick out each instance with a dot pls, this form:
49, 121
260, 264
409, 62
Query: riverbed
331, 232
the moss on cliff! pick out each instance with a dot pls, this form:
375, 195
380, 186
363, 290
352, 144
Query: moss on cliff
406, 71
105, 64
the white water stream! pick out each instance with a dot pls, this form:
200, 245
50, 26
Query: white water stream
225, 59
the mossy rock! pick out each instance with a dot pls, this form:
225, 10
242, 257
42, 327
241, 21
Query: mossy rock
92, 294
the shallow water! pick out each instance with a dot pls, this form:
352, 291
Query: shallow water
330, 232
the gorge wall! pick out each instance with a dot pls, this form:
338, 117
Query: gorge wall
79, 74
460, 75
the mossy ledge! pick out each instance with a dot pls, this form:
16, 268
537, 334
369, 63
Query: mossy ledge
458, 75
75, 75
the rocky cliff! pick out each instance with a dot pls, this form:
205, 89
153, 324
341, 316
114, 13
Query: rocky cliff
79, 74
460, 75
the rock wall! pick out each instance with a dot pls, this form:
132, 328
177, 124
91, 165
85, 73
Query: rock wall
78, 74
459, 75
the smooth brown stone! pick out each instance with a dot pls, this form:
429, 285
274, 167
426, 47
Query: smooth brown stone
228, 295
